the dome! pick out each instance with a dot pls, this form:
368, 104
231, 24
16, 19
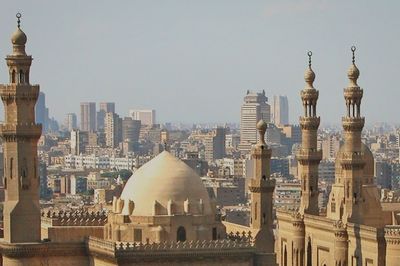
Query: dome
18, 37
262, 125
353, 73
309, 77
163, 179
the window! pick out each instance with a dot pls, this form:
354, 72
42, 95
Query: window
333, 206
181, 234
137, 235
214, 233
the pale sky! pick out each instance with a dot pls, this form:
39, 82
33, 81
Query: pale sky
193, 61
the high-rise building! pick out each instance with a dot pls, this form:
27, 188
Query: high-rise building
20, 135
280, 110
254, 108
130, 129
113, 129
41, 112
214, 144
104, 107
330, 146
78, 141
71, 122
147, 117
88, 116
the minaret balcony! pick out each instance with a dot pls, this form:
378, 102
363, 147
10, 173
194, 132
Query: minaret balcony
309, 94
12, 92
13, 132
309, 155
353, 93
308, 123
353, 123
262, 185
352, 160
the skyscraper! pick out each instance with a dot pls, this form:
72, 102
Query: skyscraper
254, 108
130, 129
104, 107
147, 117
113, 129
215, 144
280, 110
88, 116
70, 121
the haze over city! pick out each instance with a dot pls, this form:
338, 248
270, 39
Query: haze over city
193, 61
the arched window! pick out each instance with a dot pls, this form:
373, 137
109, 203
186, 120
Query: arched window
13, 76
181, 234
309, 253
285, 257
21, 77
255, 211
11, 167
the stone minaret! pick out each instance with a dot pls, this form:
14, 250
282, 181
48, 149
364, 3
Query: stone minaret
20, 135
309, 156
262, 188
352, 159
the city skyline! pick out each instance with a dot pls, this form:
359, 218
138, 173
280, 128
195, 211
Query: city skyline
220, 51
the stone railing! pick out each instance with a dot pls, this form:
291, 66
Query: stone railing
392, 234
391, 200
122, 248
74, 218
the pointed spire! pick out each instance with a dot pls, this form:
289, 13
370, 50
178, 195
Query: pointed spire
262, 127
309, 75
353, 73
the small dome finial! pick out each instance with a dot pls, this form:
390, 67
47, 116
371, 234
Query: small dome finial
353, 73
309, 75
18, 15
262, 127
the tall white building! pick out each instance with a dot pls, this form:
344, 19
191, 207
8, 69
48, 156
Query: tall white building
147, 117
112, 129
254, 108
280, 110
71, 122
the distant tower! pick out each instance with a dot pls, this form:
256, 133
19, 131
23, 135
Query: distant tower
254, 108
262, 189
309, 156
280, 110
20, 135
88, 116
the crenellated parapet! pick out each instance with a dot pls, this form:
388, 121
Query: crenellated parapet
117, 249
74, 218
392, 234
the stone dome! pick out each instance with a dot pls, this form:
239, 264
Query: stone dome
309, 77
19, 37
163, 181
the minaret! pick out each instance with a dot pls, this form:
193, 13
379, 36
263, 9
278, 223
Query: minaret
352, 159
20, 135
262, 188
309, 156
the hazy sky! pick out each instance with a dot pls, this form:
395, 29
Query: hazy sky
193, 61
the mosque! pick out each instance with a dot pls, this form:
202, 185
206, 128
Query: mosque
164, 215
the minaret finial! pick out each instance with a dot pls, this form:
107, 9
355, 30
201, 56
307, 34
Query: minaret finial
262, 127
309, 75
353, 49
18, 15
309, 58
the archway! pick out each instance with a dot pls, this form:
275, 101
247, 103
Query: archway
181, 234
309, 253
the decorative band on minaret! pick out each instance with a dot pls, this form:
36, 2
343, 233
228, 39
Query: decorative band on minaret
308, 155
20, 134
